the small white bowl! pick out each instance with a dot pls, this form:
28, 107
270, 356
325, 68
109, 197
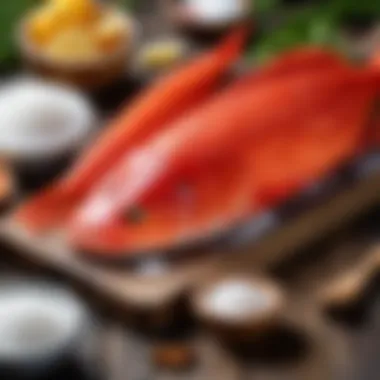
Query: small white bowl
42, 121
238, 306
184, 16
40, 326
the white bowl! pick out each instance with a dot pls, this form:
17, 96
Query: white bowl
186, 14
42, 121
238, 306
40, 325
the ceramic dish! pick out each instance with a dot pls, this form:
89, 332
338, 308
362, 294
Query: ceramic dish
238, 305
207, 22
42, 122
41, 325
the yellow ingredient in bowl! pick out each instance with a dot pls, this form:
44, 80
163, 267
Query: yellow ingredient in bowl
110, 31
73, 45
77, 30
79, 11
62, 14
44, 23
162, 54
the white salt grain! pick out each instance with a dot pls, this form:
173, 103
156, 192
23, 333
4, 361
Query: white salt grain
235, 299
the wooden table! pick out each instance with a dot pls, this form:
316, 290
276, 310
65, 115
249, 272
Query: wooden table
127, 352
360, 328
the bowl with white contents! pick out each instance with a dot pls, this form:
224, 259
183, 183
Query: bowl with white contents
42, 123
238, 306
41, 326
209, 15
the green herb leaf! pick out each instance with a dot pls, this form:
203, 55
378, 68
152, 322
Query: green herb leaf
355, 7
264, 6
313, 26
10, 14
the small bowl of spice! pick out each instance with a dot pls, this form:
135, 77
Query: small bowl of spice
80, 42
238, 307
41, 326
160, 55
209, 16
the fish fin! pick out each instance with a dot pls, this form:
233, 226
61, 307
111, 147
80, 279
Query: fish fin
45, 211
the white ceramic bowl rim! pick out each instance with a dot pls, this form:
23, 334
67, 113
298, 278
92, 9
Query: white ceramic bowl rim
60, 313
238, 299
77, 119
209, 22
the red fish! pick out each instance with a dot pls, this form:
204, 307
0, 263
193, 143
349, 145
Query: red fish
325, 112
236, 153
288, 163
161, 103
218, 127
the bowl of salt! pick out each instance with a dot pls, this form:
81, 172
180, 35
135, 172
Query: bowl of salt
238, 306
43, 126
210, 16
41, 326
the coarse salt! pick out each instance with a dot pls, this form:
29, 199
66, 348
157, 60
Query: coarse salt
236, 299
